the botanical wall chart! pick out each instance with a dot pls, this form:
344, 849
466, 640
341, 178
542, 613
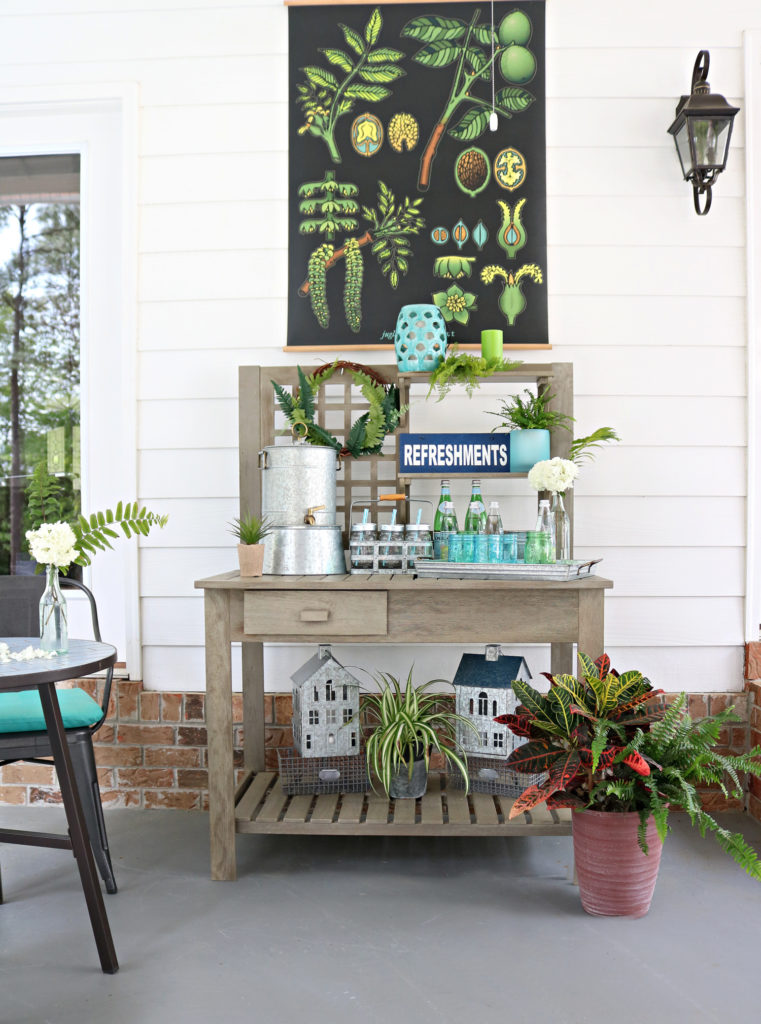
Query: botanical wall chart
399, 192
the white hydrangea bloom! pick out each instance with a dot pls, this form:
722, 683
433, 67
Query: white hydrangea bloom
28, 654
553, 475
53, 544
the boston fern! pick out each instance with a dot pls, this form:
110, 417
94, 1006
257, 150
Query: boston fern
95, 534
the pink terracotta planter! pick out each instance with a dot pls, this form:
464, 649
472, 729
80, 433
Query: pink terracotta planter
616, 879
251, 559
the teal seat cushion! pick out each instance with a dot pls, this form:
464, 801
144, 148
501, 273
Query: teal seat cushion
22, 711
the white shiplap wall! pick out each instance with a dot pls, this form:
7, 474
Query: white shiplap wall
646, 299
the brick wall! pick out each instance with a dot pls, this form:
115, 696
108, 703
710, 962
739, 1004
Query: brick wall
151, 750
753, 688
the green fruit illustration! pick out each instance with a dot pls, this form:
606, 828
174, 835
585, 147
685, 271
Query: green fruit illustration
515, 28
517, 65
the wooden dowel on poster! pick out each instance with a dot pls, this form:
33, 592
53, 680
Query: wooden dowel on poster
390, 348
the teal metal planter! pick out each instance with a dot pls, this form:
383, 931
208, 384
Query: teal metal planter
527, 447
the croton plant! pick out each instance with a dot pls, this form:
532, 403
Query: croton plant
578, 732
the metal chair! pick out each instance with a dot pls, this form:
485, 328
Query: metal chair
23, 736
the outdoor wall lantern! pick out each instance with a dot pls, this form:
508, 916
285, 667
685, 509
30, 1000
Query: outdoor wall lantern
702, 129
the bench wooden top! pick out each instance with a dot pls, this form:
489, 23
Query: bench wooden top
234, 581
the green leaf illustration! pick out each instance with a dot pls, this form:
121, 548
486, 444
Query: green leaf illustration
353, 39
437, 55
382, 73
384, 53
471, 126
431, 28
478, 60
512, 97
373, 27
484, 35
371, 93
339, 58
321, 78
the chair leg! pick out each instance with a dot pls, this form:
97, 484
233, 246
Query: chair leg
83, 762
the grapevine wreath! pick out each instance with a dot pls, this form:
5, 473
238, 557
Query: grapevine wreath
367, 432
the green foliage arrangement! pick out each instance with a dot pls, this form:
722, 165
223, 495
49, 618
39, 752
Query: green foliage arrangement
463, 368
406, 723
93, 533
584, 449
603, 748
531, 413
250, 529
368, 431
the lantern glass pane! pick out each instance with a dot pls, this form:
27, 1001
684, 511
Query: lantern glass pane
710, 140
682, 141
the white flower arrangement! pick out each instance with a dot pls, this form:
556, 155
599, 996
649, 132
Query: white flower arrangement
53, 544
553, 475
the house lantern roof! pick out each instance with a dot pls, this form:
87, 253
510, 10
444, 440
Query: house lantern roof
477, 670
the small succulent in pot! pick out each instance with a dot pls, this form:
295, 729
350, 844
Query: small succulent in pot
250, 531
405, 724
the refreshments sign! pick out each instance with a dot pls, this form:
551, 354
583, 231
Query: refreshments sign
453, 454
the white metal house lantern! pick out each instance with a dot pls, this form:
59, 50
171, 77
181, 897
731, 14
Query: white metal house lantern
483, 690
325, 706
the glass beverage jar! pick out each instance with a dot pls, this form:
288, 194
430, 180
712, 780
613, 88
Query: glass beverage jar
418, 535
361, 545
538, 550
391, 539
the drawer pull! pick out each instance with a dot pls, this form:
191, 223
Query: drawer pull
314, 615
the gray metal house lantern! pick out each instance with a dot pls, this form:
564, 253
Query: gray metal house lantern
483, 690
325, 706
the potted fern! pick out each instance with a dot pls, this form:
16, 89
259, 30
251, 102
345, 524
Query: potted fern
530, 422
250, 531
623, 765
403, 725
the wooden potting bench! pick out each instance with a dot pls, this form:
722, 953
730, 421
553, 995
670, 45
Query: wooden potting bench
372, 609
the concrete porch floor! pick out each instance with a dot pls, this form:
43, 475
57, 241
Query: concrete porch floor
342, 930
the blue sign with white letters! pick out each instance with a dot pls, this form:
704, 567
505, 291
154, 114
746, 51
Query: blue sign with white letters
453, 454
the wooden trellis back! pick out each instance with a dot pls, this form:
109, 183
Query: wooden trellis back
338, 404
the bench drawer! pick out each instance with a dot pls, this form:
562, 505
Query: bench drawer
315, 613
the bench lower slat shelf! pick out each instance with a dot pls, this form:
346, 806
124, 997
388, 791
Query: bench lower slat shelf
265, 809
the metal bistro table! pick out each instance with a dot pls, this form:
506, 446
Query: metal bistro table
82, 658
373, 609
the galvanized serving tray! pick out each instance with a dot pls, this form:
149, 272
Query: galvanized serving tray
559, 572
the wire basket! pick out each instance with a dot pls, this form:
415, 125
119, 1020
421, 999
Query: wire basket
305, 775
491, 775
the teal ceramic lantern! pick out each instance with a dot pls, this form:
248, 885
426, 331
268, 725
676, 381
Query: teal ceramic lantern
527, 447
420, 340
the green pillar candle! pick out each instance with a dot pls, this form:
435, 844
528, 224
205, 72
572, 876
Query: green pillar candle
491, 344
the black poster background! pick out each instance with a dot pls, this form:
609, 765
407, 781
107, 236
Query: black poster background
422, 92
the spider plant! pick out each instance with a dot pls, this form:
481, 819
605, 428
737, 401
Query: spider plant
250, 529
406, 724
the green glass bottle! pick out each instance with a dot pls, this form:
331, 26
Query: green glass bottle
475, 520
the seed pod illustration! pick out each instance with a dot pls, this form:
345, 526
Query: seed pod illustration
403, 132
316, 275
512, 234
353, 284
480, 234
512, 301
472, 171
460, 233
439, 235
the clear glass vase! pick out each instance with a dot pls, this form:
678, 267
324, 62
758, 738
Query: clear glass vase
54, 627
561, 528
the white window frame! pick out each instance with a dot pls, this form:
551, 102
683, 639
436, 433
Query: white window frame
100, 123
752, 108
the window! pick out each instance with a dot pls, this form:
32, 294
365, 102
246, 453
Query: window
484, 739
483, 703
348, 715
331, 716
471, 705
494, 709
346, 692
314, 717
499, 741
39, 344
354, 739
331, 739
330, 693
308, 741
316, 694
